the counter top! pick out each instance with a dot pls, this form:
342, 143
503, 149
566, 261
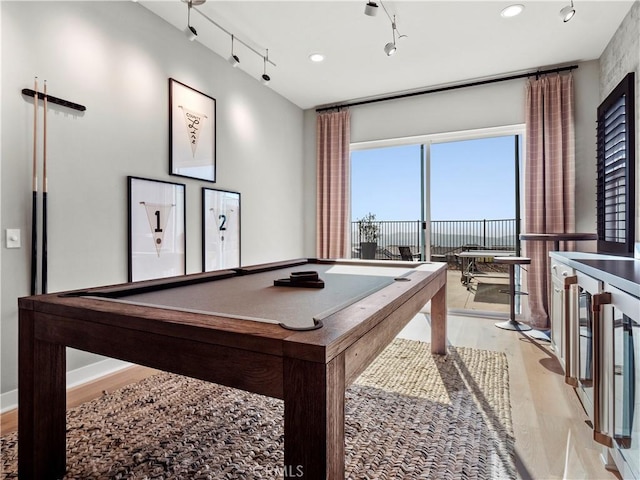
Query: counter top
621, 272
557, 237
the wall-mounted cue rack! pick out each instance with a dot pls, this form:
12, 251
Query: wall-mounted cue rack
59, 101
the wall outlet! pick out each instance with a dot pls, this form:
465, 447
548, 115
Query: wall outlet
636, 251
13, 238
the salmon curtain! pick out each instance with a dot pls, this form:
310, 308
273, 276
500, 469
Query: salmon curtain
549, 179
332, 154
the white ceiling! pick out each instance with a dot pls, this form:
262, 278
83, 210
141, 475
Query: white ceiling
448, 41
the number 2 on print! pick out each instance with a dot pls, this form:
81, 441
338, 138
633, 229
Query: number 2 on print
223, 222
157, 214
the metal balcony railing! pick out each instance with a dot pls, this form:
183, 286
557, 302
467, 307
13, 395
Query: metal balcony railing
447, 237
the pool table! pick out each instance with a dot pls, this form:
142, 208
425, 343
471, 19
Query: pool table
235, 328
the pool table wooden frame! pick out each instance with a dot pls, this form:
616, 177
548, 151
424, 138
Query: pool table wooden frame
309, 370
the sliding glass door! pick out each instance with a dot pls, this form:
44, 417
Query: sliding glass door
473, 194
436, 199
474, 217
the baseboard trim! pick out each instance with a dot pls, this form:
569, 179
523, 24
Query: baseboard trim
79, 376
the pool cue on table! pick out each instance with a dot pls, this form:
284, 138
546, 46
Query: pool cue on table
43, 280
34, 209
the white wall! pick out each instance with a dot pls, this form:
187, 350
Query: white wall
115, 58
464, 109
492, 105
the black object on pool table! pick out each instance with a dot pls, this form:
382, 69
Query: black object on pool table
301, 279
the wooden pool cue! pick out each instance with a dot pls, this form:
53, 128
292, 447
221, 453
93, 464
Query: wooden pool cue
43, 281
34, 209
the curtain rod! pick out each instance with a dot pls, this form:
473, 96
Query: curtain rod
450, 87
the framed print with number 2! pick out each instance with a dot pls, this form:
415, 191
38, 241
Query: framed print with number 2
157, 229
220, 229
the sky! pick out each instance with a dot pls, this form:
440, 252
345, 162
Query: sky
470, 180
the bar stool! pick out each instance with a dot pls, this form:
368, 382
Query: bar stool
556, 238
512, 323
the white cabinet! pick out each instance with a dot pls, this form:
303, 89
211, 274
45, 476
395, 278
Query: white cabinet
597, 339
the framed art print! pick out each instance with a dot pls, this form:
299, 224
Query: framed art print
220, 229
192, 132
157, 227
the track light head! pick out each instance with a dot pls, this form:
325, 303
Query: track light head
234, 60
568, 12
265, 79
191, 33
371, 9
390, 48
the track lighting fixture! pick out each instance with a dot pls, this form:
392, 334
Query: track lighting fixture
265, 79
390, 48
189, 31
234, 60
371, 9
568, 12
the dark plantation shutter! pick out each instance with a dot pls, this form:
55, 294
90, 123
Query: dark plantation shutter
615, 164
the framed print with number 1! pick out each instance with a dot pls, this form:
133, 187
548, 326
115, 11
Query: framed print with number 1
220, 229
157, 229
192, 132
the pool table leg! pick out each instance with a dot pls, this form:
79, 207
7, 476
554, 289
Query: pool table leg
439, 321
41, 404
314, 419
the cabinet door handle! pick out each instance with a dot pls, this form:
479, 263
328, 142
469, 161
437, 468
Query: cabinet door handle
599, 436
570, 377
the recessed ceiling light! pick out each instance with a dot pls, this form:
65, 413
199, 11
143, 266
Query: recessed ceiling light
316, 57
512, 10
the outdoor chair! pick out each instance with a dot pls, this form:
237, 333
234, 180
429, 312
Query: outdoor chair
406, 254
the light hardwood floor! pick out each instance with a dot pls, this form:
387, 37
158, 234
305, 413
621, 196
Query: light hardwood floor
552, 438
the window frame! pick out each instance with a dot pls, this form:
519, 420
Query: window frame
624, 89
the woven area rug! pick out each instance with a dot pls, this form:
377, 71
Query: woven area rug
410, 415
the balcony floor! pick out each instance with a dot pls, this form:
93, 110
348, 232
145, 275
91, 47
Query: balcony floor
461, 298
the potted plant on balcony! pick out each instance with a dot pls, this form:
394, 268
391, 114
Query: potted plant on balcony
368, 228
